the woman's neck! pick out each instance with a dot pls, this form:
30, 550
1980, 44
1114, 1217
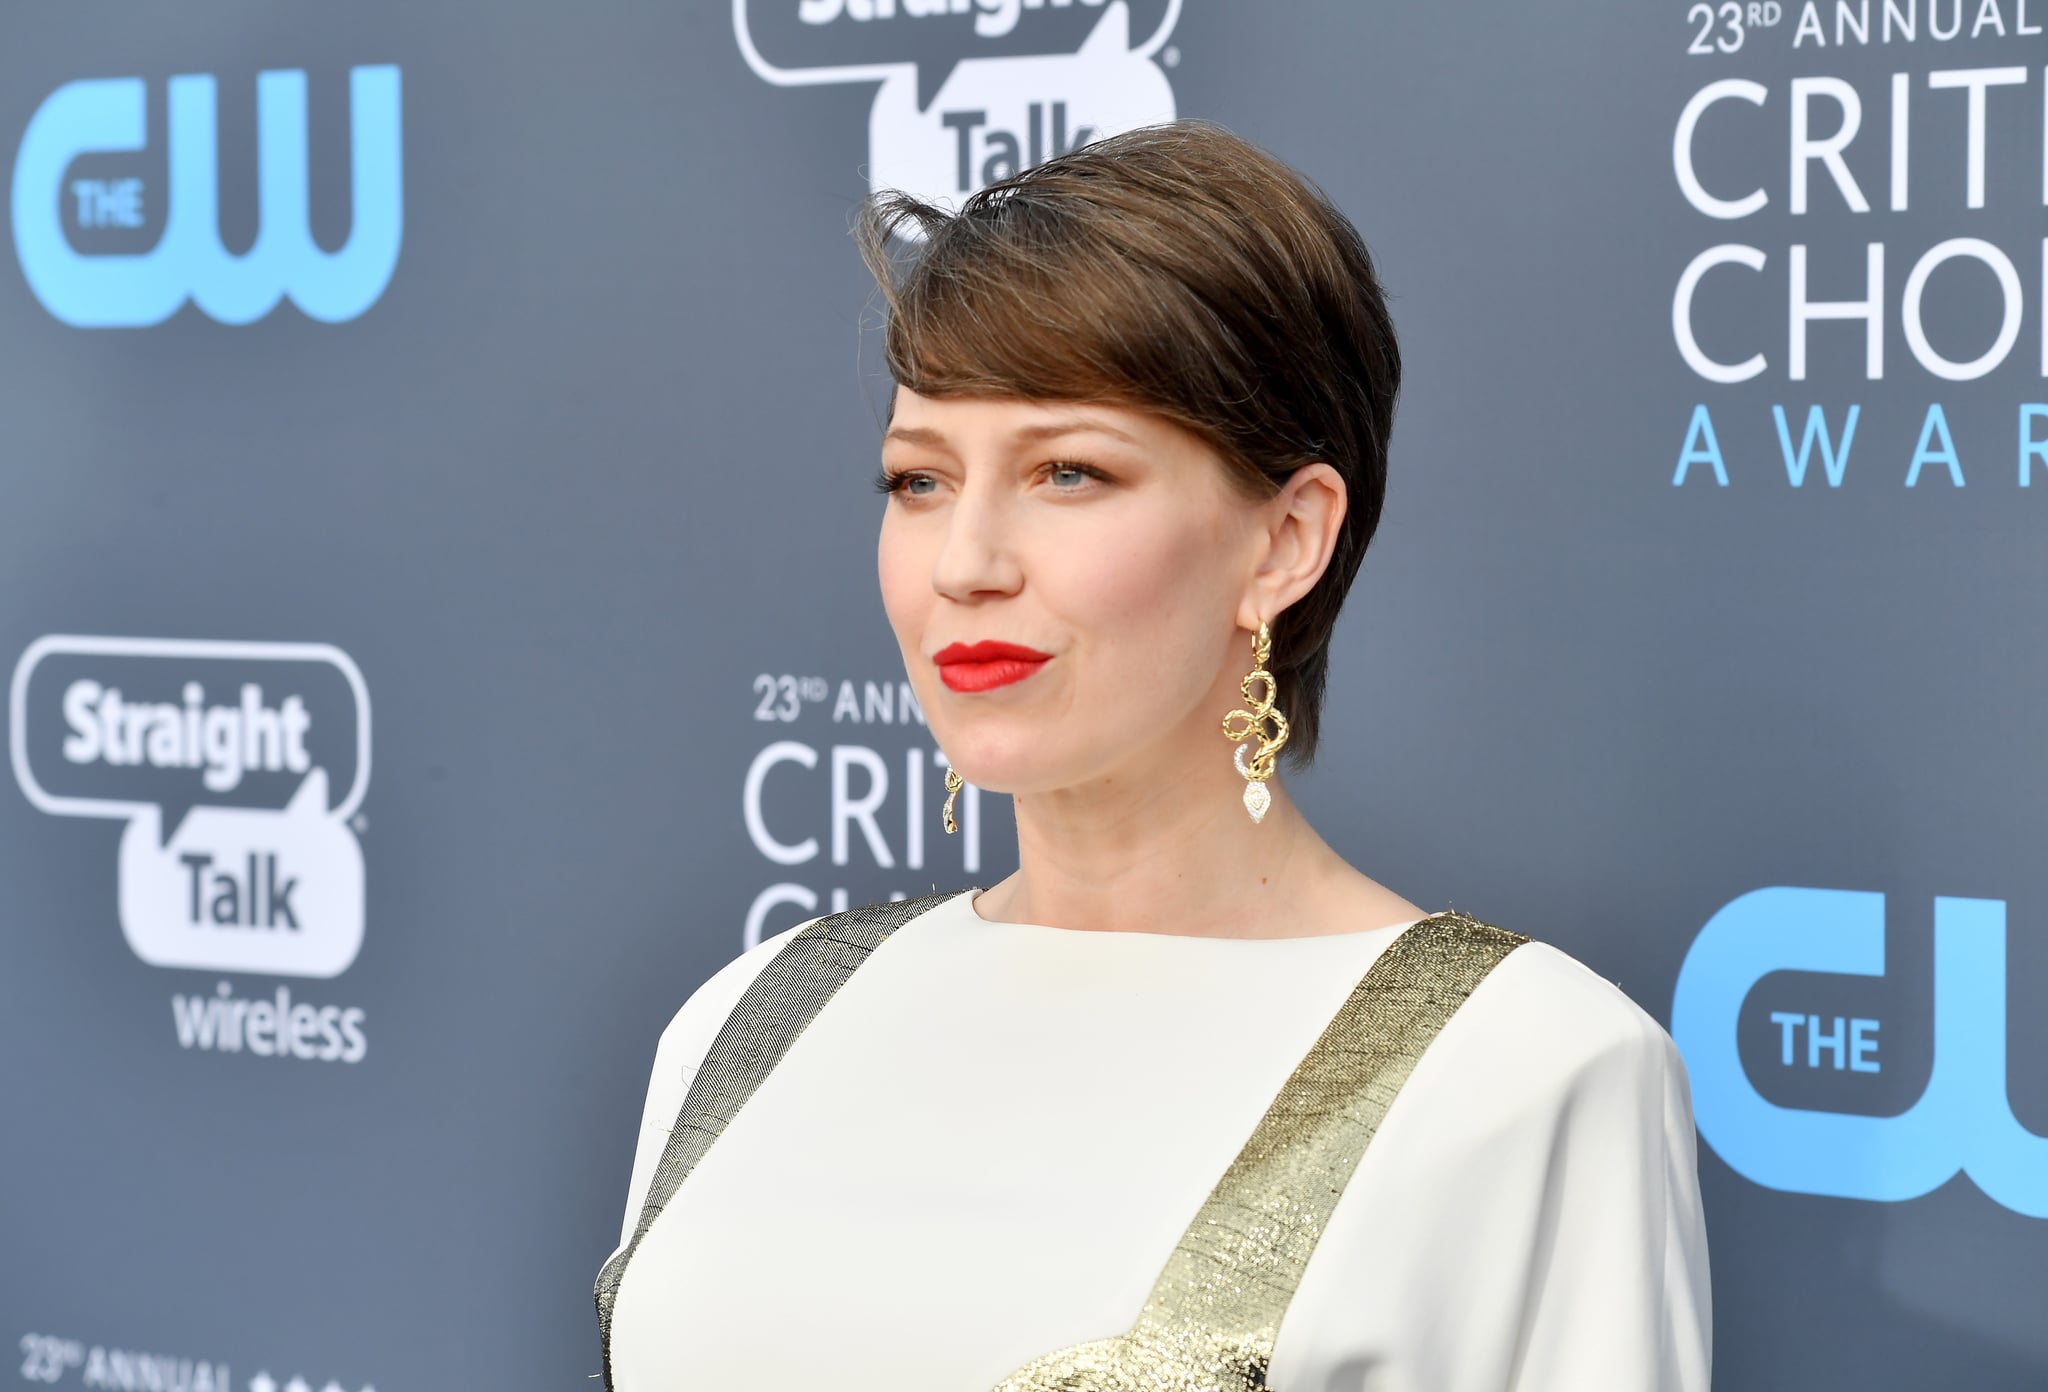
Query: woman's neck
1181, 855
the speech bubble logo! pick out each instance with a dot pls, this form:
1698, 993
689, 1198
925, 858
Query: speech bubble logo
798, 42
104, 727
246, 890
997, 116
222, 757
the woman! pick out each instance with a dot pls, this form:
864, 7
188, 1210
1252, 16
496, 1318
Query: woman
1187, 1101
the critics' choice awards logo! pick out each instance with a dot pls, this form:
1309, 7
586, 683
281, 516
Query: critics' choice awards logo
971, 91
1961, 1121
1897, 198
90, 185
855, 804
235, 768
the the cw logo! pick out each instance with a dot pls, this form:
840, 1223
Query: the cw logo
132, 291
1962, 1122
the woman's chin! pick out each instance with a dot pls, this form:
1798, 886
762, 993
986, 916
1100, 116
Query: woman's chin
1003, 772
999, 755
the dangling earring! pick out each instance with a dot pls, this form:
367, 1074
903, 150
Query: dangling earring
954, 783
1242, 725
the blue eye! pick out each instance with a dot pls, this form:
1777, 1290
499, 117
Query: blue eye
1067, 477
912, 484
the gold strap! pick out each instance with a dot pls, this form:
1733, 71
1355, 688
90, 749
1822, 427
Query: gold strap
1211, 1320
778, 1003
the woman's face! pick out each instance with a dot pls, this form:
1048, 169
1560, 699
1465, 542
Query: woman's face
1105, 547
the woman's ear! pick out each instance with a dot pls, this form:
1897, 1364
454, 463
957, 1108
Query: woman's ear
1303, 521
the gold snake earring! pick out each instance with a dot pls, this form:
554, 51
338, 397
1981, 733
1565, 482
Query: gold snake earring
1260, 692
954, 783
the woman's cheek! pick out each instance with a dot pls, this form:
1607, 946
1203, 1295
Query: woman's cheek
905, 583
1140, 606
1145, 575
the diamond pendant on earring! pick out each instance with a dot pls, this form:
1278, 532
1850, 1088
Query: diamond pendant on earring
1260, 692
1256, 797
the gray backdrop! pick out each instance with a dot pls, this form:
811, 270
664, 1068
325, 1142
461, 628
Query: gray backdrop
533, 456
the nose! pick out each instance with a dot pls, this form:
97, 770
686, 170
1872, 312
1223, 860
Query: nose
977, 560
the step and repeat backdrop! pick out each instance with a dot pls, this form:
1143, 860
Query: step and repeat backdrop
436, 576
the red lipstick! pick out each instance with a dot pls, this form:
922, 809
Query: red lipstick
986, 665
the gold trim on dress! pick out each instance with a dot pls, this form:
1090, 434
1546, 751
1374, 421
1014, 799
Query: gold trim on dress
1210, 1322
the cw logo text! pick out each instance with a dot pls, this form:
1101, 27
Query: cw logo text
109, 116
1962, 1122
236, 769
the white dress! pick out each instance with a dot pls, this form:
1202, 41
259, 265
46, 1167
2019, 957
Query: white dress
986, 1144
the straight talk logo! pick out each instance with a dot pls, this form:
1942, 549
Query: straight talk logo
236, 770
968, 92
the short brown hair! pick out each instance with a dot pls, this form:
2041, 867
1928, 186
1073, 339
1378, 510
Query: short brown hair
1176, 269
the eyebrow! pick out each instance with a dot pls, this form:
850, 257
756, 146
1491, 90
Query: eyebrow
925, 435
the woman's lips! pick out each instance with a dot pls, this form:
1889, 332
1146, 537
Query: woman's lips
986, 665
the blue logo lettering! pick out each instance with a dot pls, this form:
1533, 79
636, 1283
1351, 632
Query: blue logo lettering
1962, 1122
188, 261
